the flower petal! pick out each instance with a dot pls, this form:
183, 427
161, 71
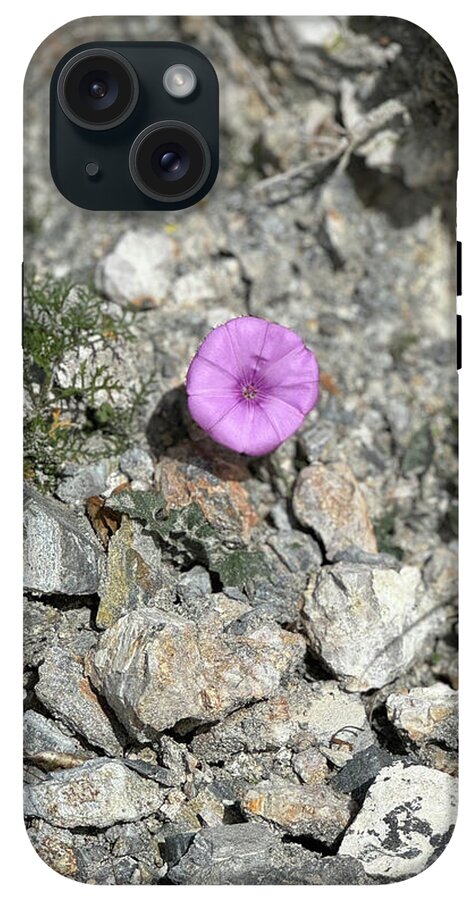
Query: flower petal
247, 429
207, 410
207, 374
297, 366
285, 418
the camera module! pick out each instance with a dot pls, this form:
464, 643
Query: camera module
98, 89
169, 161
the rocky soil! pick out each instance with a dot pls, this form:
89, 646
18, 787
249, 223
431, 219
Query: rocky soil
244, 671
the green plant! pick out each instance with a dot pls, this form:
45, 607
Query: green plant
60, 318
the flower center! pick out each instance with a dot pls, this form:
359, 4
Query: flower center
249, 391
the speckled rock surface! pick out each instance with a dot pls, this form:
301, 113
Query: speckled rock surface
66, 691
299, 809
328, 500
98, 793
428, 713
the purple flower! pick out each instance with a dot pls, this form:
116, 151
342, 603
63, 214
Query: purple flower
251, 383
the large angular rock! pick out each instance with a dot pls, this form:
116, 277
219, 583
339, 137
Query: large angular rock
250, 853
300, 809
66, 691
157, 669
45, 745
368, 624
405, 823
299, 716
96, 794
61, 552
426, 713
327, 498
134, 575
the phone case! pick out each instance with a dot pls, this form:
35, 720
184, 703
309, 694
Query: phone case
240, 651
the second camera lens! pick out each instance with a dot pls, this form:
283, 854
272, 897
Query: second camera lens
170, 161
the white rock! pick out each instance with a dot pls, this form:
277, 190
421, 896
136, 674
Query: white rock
368, 623
139, 268
406, 820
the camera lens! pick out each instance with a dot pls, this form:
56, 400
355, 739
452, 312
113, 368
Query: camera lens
98, 89
169, 161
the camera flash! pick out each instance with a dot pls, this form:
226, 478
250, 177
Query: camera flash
180, 81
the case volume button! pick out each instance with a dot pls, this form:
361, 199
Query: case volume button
459, 276
459, 291
459, 325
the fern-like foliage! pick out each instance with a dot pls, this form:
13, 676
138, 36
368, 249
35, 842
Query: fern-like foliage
60, 422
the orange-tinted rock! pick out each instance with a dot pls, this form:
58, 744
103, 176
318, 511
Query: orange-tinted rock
194, 474
299, 808
328, 499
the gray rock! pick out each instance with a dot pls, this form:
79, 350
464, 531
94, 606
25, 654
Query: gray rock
195, 582
46, 745
327, 498
251, 854
406, 821
311, 766
139, 269
297, 551
361, 770
66, 691
45, 625
137, 464
419, 453
101, 857
369, 624
61, 552
299, 716
96, 794
139, 668
424, 714
189, 809
84, 482
441, 573
300, 809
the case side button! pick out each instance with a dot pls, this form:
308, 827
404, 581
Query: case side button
459, 348
459, 276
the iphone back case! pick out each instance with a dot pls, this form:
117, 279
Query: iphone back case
240, 668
